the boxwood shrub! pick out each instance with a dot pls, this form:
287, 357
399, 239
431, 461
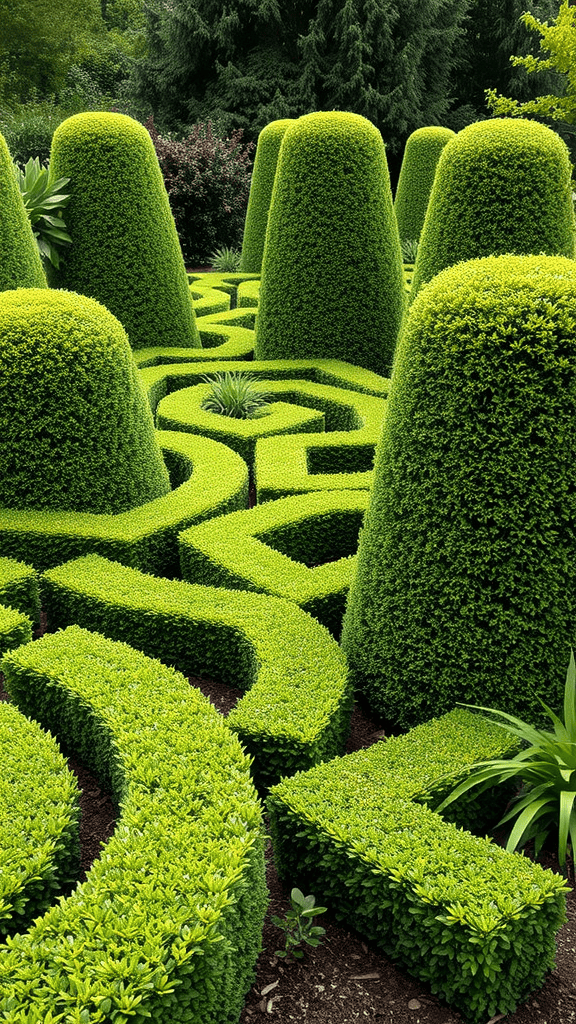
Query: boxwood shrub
15, 628
20, 263
466, 582
19, 587
332, 279
421, 155
501, 186
167, 925
265, 161
125, 250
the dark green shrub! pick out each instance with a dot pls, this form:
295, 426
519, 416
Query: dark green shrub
20, 263
269, 142
76, 431
466, 580
501, 186
332, 279
28, 129
421, 156
125, 250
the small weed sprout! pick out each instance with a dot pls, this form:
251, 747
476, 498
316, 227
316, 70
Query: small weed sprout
298, 925
237, 395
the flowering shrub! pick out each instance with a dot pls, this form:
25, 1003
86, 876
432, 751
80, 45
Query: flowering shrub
208, 182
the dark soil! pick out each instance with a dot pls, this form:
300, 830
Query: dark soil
345, 979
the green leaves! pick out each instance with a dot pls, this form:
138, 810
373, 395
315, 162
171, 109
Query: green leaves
297, 924
44, 201
235, 394
226, 260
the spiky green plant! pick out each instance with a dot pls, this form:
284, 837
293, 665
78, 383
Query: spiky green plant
235, 394
225, 260
44, 201
409, 249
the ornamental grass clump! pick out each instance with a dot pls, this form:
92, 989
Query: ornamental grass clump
237, 395
421, 155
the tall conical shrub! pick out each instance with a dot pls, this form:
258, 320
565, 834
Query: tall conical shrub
20, 263
421, 155
501, 186
466, 580
332, 277
76, 430
125, 250
269, 142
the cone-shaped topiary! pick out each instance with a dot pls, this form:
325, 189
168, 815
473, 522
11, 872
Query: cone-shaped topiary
332, 277
421, 155
501, 186
76, 430
20, 263
125, 250
269, 142
466, 580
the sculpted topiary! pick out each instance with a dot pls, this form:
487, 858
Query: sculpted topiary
421, 156
466, 581
125, 250
20, 263
76, 430
269, 142
501, 186
332, 278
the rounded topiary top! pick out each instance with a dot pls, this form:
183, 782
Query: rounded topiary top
126, 251
421, 155
501, 186
332, 277
20, 263
269, 142
466, 581
76, 430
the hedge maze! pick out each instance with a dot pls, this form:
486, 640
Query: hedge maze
409, 489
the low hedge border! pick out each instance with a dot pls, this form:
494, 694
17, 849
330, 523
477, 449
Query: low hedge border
278, 548
297, 712
220, 342
208, 301
39, 820
15, 628
474, 922
222, 282
167, 926
209, 479
19, 587
236, 317
248, 293
301, 463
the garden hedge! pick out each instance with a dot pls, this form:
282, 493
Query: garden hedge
15, 628
466, 582
167, 925
473, 922
20, 262
301, 548
297, 711
39, 821
208, 480
298, 463
19, 587
76, 432
125, 250
332, 279
263, 174
421, 155
501, 186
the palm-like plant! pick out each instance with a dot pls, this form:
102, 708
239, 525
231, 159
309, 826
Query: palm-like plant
547, 767
235, 394
44, 201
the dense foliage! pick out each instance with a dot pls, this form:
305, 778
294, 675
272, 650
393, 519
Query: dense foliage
421, 155
265, 163
20, 263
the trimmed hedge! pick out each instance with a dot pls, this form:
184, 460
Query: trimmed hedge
249, 293
502, 186
283, 548
263, 174
39, 821
126, 251
466, 581
421, 155
475, 923
20, 262
76, 432
15, 628
167, 925
332, 279
223, 281
297, 711
19, 587
219, 342
300, 463
208, 301
208, 479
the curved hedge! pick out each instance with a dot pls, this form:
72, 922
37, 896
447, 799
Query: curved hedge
125, 250
19, 587
331, 216
466, 580
265, 161
501, 186
15, 628
421, 155
76, 431
20, 262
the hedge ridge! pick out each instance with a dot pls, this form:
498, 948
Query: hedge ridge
421, 155
263, 174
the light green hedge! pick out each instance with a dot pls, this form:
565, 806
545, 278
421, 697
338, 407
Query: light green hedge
249, 293
421, 155
219, 340
208, 480
301, 548
208, 301
167, 926
15, 628
263, 174
19, 587
20, 262
39, 816
297, 708
223, 282
125, 250
473, 922
299, 463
